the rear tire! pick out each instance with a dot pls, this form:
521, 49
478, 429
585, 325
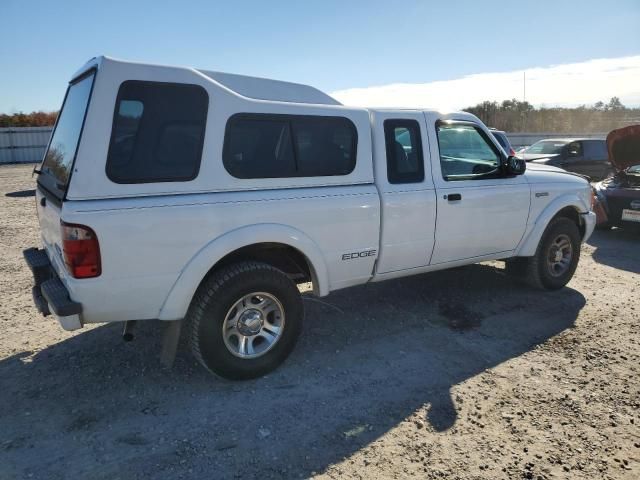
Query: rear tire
244, 320
556, 257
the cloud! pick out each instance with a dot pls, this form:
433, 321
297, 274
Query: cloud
569, 84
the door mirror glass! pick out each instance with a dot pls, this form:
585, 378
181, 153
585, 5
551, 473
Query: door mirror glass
574, 150
515, 166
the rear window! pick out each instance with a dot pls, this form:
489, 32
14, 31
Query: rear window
58, 160
280, 146
158, 132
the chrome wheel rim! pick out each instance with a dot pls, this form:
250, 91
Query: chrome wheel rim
560, 255
253, 325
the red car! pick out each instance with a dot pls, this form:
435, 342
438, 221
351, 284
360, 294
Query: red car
617, 201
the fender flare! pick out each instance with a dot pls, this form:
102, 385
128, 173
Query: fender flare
177, 301
530, 241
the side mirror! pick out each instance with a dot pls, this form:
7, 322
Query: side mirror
515, 166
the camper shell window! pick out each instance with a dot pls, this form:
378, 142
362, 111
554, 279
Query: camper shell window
281, 146
63, 146
158, 132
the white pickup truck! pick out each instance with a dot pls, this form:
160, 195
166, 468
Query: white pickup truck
199, 197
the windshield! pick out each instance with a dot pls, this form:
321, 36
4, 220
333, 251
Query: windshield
62, 149
545, 147
634, 170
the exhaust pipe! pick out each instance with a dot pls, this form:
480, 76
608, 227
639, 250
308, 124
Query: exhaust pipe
127, 331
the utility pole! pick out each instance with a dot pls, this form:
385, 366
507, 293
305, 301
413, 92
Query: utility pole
524, 99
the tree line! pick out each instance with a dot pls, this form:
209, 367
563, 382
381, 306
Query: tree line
33, 119
508, 115
516, 116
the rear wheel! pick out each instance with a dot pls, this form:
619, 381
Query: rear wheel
245, 320
556, 257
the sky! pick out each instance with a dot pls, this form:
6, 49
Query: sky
442, 54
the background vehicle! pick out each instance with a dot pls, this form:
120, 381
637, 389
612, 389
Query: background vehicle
503, 140
619, 195
586, 156
173, 193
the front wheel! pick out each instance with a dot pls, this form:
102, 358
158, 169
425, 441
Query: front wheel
556, 257
245, 320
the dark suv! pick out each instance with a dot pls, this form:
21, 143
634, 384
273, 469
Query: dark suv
586, 156
502, 139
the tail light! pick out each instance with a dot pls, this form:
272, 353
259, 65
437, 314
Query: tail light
81, 250
512, 152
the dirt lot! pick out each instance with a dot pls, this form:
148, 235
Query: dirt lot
458, 374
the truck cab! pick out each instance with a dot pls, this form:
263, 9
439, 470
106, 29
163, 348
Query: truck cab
204, 198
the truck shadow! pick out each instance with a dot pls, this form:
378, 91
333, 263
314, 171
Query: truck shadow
21, 194
617, 248
370, 358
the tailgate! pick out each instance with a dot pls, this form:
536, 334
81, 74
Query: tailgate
49, 212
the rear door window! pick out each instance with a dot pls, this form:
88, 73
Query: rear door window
404, 151
595, 150
58, 161
158, 132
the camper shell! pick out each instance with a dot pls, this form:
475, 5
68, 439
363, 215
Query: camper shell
226, 95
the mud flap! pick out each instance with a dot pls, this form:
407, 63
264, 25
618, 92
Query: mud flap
170, 343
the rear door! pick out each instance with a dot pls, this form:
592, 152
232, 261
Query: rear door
407, 193
480, 211
55, 172
596, 159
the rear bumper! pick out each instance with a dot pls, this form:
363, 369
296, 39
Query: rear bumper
50, 295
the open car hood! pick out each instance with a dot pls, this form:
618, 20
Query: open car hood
623, 145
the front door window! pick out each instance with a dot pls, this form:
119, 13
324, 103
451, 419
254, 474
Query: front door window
465, 153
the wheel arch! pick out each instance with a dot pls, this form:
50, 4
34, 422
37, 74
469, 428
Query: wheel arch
569, 205
255, 242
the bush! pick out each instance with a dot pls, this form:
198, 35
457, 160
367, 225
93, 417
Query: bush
33, 119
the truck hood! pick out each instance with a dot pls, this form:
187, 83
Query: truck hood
536, 156
542, 167
623, 145
539, 172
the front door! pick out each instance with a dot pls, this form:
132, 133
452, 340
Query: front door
480, 211
573, 159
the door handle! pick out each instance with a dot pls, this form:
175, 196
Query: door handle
452, 197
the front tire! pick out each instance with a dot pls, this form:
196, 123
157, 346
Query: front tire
556, 257
244, 320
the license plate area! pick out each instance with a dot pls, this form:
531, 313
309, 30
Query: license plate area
630, 215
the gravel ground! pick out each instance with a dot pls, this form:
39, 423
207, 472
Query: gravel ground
457, 374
